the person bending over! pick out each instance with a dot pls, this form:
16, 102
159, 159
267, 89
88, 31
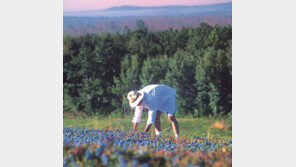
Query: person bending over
157, 99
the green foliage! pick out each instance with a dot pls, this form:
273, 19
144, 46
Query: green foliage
154, 71
127, 80
181, 77
213, 81
99, 70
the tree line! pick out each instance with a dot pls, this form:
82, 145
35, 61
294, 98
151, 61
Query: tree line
79, 25
99, 70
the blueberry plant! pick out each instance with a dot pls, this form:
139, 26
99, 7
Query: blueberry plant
105, 147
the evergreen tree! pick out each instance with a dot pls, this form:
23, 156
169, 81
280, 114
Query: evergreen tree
181, 77
128, 80
99, 70
154, 71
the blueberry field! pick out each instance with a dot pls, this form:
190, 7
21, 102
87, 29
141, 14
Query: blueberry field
102, 142
202, 127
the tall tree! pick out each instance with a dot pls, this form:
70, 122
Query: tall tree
127, 80
181, 77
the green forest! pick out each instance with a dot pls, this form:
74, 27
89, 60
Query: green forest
100, 69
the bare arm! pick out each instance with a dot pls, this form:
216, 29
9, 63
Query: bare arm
137, 117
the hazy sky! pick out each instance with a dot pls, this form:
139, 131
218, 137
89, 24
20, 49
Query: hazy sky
82, 5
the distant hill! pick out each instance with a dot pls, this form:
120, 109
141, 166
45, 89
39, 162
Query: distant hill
132, 11
122, 18
174, 7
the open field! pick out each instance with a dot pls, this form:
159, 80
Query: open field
90, 141
202, 127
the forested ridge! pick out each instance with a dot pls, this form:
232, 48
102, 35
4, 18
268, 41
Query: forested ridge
79, 25
99, 70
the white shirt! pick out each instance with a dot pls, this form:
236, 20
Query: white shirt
156, 97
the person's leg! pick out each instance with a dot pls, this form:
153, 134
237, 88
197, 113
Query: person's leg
174, 123
157, 123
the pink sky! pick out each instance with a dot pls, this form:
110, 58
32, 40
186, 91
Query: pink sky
83, 5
